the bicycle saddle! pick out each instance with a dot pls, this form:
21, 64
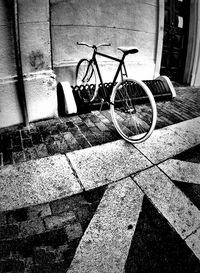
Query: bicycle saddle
128, 49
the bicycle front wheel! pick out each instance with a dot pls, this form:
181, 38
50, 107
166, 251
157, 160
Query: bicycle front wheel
133, 110
86, 79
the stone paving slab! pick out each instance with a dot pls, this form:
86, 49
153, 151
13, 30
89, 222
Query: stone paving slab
106, 163
36, 181
193, 241
169, 200
181, 171
189, 130
105, 244
171, 140
43, 180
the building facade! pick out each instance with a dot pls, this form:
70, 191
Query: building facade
39, 46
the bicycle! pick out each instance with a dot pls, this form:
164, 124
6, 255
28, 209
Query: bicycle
132, 105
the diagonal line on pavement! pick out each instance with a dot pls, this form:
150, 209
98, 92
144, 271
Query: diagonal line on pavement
181, 170
107, 163
170, 141
172, 203
105, 245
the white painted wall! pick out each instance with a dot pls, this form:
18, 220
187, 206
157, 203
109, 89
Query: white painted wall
40, 83
122, 23
10, 112
35, 35
39, 79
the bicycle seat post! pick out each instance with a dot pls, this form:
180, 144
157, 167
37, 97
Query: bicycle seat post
94, 47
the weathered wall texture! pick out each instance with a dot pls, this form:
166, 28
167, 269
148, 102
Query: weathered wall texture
40, 84
10, 112
122, 23
35, 35
39, 79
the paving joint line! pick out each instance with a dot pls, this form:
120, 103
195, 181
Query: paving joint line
83, 135
193, 232
122, 178
145, 169
143, 154
75, 173
162, 169
140, 188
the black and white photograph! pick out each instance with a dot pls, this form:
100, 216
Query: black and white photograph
99, 136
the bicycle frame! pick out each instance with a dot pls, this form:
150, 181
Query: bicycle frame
119, 68
130, 120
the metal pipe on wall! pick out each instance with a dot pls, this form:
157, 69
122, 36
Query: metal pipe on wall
20, 82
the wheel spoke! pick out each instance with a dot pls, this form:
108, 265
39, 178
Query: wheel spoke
133, 110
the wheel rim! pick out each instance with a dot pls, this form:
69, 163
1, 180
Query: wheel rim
86, 80
133, 110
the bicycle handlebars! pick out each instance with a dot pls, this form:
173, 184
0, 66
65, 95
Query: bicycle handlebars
94, 46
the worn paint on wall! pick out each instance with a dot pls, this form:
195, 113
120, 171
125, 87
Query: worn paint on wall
35, 35
36, 59
122, 23
40, 83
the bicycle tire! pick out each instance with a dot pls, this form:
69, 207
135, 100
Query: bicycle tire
86, 80
133, 110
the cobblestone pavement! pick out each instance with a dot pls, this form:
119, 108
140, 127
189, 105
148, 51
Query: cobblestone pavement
44, 238
48, 236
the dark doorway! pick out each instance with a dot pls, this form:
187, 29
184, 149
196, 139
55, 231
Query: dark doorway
175, 40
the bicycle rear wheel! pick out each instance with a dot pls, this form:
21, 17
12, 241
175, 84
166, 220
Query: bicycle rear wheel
86, 79
133, 110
